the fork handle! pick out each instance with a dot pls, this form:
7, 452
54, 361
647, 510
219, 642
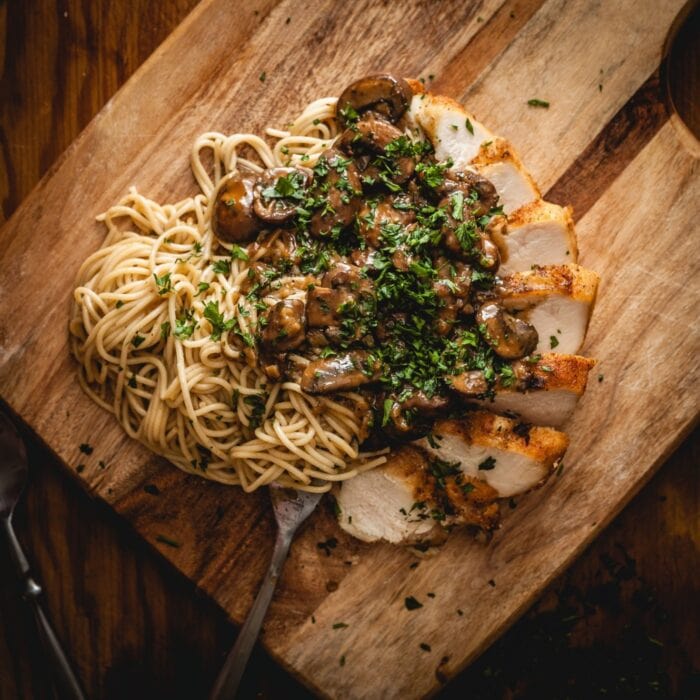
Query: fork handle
66, 682
231, 673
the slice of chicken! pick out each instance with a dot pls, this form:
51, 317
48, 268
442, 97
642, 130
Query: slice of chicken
509, 456
498, 162
391, 502
456, 134
540, 233
549, 395
557, 300
444, 122
437, 482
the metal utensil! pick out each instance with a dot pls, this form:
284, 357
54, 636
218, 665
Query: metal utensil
13, 476
291, 508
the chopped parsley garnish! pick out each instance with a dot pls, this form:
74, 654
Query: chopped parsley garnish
412, 604
331, 543
238, 253
222, 267
553, 341
535, 102
219, 325
167, 540
469, 125
488, 464
184, 325
163, 283
257, 404
441, 469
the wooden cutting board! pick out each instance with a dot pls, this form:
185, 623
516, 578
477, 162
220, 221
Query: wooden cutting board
607, 145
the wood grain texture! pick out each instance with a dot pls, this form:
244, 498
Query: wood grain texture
312, 576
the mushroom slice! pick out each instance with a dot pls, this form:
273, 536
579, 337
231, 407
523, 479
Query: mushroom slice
323, 306
340, 373
385, 94
392, 502
498, 162
539, 233
233, 219
548, 394
285, 328
411, 417
556, 300
509, 336
509, 456
279, 191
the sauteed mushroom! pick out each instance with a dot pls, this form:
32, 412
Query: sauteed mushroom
233, 218
472, 383
285, 329
412, 417
371, 134
489, 258
509, 336
370, 137
384, 94
374, 217
339, 373
343, 190
466, 181
278, 192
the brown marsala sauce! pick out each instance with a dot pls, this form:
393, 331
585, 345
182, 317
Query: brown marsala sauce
399, 265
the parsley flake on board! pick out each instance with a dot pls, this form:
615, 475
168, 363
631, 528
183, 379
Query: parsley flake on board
412, 604
535, 102
167, 540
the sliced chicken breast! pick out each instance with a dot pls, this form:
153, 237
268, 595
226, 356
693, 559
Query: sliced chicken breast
509, 456
498, 162
539, 233
557, 300
455, 477
444, 122
392, 502
456, 134
544, 392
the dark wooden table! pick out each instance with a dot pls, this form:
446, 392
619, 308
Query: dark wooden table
622, 622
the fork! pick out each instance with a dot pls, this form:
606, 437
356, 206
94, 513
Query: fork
13, 478
291, 508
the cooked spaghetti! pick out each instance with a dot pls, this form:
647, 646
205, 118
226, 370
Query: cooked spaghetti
165, 374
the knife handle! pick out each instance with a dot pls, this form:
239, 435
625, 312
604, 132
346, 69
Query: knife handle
66, 682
